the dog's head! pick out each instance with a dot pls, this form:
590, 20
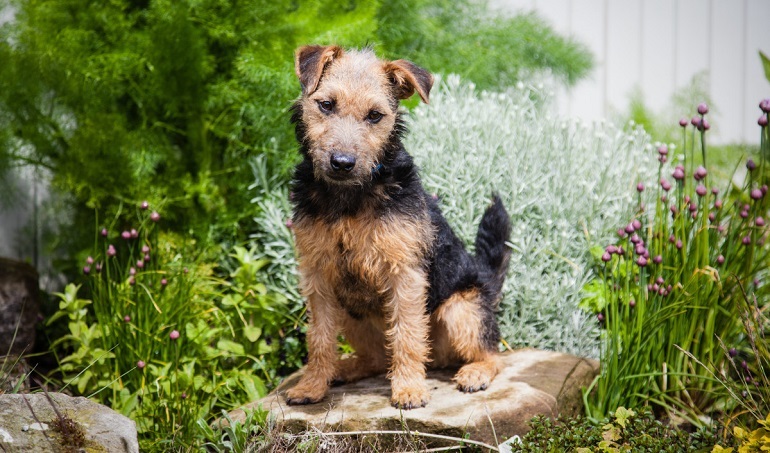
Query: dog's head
349, 107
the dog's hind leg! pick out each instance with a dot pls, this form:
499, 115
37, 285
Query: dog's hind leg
468, 323
370, 359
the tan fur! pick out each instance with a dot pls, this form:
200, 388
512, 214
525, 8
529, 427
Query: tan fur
456, 326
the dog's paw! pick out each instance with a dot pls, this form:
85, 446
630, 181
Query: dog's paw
410, 397
305, 394
474, 377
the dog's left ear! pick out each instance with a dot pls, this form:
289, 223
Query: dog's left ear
408, 77
310, 62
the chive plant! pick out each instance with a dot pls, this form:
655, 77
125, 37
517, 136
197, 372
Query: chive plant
672, 280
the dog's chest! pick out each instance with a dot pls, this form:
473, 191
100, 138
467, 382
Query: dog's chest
359, 256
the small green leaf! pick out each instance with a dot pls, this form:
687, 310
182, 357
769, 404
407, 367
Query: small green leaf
252, 333
622, 415
765, 64
231, 346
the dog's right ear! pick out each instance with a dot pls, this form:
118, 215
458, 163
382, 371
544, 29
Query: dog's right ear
310, 62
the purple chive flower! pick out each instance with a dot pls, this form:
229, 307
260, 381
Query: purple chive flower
751, 165
600, 317
655, 288
701, 190
700, 173
763, 189
606, 257
662, 159
764, 104
703, 108
98, 267
131, 281
146, 257
140, 264
145, 248
683, 122
646, 254
140, 364
679, 244
145, 205
126, 235
640, 187
630, 228
641, 261
762, 121
659, 280
134, 233
657, 259
721, 228
672, 239
694, 214
154, 216
289, 224
674, 210
86, 270
185, 270
718, 204
712, 217
111, 250
663, 150
746, 240
104, 232
183, 396
634, 239
611, 249
664, 198
132, 271
756, 194
637, 224
665, 185
744, 214
756, 282
692, 207
678, 173
89, 260
163, 282
174, 334
640, 249
632, 303
126, 318
621, 232
733, 352
759, 221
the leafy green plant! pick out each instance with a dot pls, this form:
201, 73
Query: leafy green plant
671, 283
624, 430
162, 339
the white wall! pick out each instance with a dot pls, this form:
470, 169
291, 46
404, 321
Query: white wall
658, 46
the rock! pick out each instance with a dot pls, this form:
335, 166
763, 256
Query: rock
531, 382
101, 428
19, 299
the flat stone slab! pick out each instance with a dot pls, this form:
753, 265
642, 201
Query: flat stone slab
532, 382
104, 429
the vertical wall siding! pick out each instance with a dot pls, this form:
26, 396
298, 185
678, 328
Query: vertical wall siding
657, 47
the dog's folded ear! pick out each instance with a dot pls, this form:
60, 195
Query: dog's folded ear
310, 62
408, 77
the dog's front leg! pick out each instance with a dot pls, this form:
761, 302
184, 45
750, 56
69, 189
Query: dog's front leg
407, 338
321, 345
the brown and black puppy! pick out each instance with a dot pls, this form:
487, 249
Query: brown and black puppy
377, 261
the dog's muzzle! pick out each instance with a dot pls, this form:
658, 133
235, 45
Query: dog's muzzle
341, 163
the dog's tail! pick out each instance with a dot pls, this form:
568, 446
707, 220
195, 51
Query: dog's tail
492, 253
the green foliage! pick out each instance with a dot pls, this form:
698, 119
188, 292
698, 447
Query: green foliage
163, 340
465, 38
663, 313
624, 431
166, 100
765, 64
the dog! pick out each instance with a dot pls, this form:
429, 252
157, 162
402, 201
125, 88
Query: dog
378, 262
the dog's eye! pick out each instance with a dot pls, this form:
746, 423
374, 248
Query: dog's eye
326, 106
374, 116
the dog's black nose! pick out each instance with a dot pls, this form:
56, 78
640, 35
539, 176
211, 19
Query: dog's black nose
343, 162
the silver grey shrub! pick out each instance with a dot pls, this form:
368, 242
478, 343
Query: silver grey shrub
567, 185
